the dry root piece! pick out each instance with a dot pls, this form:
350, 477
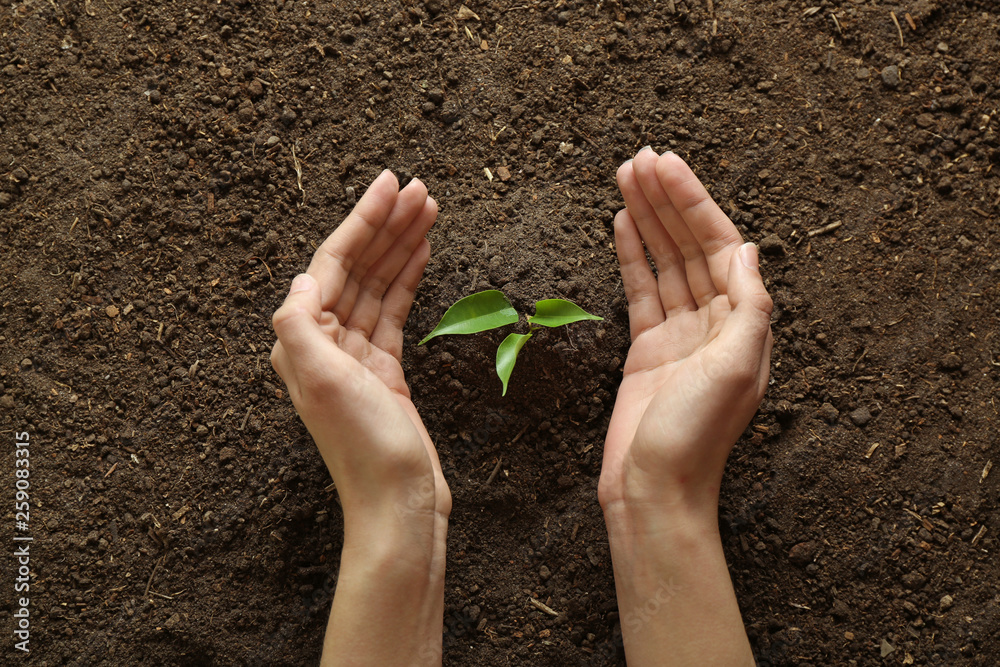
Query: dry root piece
466, 14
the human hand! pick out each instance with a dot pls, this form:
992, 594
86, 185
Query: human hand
701, 341
340, 340
339, 346
696, 371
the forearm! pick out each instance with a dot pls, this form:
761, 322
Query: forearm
675, 597
389, 604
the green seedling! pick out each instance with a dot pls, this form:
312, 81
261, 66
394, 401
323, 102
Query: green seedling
491, 310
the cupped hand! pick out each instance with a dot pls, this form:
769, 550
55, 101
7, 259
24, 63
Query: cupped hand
339, 347
701, 341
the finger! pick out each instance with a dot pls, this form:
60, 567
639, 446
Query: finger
334, 259
748, 326
297, 321
409, 204
645, 310
670, 266
696, 268
718, 312
692, 208
374, 285
388, 333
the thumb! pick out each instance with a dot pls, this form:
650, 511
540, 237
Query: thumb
297, 321
750, 304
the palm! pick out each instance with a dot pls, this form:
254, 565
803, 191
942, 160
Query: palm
374, 365
675, 401
383, 365
663, 390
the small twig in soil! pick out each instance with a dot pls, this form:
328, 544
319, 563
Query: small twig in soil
519, 434
246, 418
825, 229
493, 475
541, 606
570, 338
224, 345
581, 135
298, 177
863, 354
898, 29
111, 470
837, 23
259, 259
153, 574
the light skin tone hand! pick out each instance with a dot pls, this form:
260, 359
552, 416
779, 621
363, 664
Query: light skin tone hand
339, 347
695, 374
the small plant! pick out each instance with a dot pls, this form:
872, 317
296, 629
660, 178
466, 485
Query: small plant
487, 310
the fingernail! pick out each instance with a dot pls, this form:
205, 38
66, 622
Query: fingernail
748, 255
646, 148
302, 282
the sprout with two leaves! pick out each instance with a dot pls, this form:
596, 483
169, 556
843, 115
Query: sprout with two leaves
491, 310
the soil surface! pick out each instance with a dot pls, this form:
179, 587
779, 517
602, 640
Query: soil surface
168, 167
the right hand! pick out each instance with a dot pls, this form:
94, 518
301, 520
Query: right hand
701, 342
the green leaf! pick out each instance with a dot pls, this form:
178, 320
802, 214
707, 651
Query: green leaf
477, 312
507, 356
557, 312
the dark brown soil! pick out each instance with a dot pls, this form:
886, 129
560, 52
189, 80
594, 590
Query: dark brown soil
151, 219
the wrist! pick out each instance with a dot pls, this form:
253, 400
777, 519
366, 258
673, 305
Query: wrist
390, 581
402, 523
385, 555
660, 500
651, 524
673, 587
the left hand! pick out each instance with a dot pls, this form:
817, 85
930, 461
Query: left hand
340, 340
339, 347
